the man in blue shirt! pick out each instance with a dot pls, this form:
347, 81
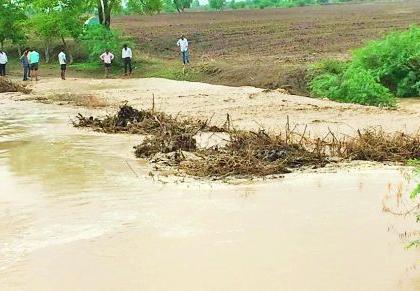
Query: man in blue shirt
33, 58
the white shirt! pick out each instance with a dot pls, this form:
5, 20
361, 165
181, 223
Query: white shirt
107, 57
3, 58
183, 44
126, 53
62, 58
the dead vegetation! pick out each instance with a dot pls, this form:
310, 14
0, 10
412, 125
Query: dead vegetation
253, 153
249, 153
377, 145
7, 85
146, 122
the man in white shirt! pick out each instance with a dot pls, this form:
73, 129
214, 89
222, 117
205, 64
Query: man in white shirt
62, 59
107, 58
3, 62
127, 55
183, 46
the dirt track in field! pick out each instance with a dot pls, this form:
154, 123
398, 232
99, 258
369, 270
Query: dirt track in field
268, 48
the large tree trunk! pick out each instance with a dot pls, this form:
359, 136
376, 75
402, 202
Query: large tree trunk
108, 16
47, 53
104, 12
100, 12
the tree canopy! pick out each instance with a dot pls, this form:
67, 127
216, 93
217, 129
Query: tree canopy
12, 22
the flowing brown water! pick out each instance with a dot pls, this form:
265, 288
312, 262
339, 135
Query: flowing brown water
78, 212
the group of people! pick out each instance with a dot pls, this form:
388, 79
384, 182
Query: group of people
30, 63
126, 55
30, 60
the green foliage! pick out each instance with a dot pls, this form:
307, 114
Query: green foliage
394, 61
180, 5
355, 85
329, 66
217, 4
376, 74
97, 39
12, 22
105, 9
195, 4
168, 6
149, 7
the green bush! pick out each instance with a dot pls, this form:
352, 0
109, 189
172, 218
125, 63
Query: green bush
97, 39
355, 85
329, 66
376, 73
394, 61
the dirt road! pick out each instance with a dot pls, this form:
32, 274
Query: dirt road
248, 107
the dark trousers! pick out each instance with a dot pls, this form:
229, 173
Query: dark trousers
26, 72
2, 69
127, 65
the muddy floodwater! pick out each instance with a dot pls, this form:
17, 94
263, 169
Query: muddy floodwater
79, 212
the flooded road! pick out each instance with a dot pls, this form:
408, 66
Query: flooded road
79, 212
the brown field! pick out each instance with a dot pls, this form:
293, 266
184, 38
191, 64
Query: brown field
270, 47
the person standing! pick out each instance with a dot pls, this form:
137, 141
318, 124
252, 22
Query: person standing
127, 56
107, 58
62, 59
183, 45
34, 58
3, 62
25, 64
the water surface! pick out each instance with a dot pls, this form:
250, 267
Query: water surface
78, 212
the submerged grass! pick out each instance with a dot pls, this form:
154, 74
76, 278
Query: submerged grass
249, 153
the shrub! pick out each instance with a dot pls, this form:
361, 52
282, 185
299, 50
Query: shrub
376, 73
325, 85
395, 61
217, 4
328, 66
355, 85
97, 39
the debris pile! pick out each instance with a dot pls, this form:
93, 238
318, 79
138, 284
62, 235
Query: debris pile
248, 153
253, 153
377, 145
130, 120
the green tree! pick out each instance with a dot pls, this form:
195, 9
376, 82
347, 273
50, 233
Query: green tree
217, 4
98, 38
12, 21
58, 19
181, 5
195, 4
105, 8
145, 6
